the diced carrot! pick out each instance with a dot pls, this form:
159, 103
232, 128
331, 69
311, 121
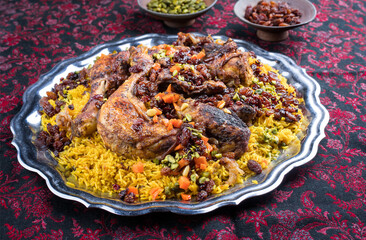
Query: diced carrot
169, 88
133, 189
200, 55
201, 159
176, 97
186, 197
168, 98
158, 111
175, 68
159, 95
200, 162
156, 66
154, 192
155, 119
169, 50
203, 166
191, 123
204, 139
170, 126
183, 162
184, 182
179, 147
138, 167
177, 122
209, 147
161, 46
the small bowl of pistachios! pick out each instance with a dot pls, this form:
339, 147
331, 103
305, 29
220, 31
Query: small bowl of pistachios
176, 13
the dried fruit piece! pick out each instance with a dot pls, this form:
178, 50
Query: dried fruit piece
254, 166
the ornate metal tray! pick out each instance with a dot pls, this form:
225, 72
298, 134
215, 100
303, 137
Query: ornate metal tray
26, 124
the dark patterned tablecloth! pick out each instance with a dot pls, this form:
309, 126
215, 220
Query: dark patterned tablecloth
324, 199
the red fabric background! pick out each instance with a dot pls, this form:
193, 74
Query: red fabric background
324, 199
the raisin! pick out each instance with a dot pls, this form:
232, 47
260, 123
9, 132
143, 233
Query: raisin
254, 166
202, 195
47, 107
51, 95
58, 146
130, 198
207, 186
52, 129
116, 187
122, 194
165, 171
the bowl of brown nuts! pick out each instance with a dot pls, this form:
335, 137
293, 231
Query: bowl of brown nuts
176, 13
273, 19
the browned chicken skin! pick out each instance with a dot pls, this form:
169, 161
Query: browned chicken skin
123, 124
229, 64
106, 75
231, 133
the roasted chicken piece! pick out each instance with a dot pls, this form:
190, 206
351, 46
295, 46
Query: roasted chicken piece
123, 123
226, 61
229, 64
245, 112
231, 132
106, 75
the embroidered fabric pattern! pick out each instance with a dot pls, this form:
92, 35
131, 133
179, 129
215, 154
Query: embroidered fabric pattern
323, 199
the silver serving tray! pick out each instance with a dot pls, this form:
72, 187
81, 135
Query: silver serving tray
26, 124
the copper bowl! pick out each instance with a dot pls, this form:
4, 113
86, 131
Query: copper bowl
276, 33
176, 20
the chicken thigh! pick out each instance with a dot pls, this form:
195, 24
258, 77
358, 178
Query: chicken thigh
106, 75
123, 124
